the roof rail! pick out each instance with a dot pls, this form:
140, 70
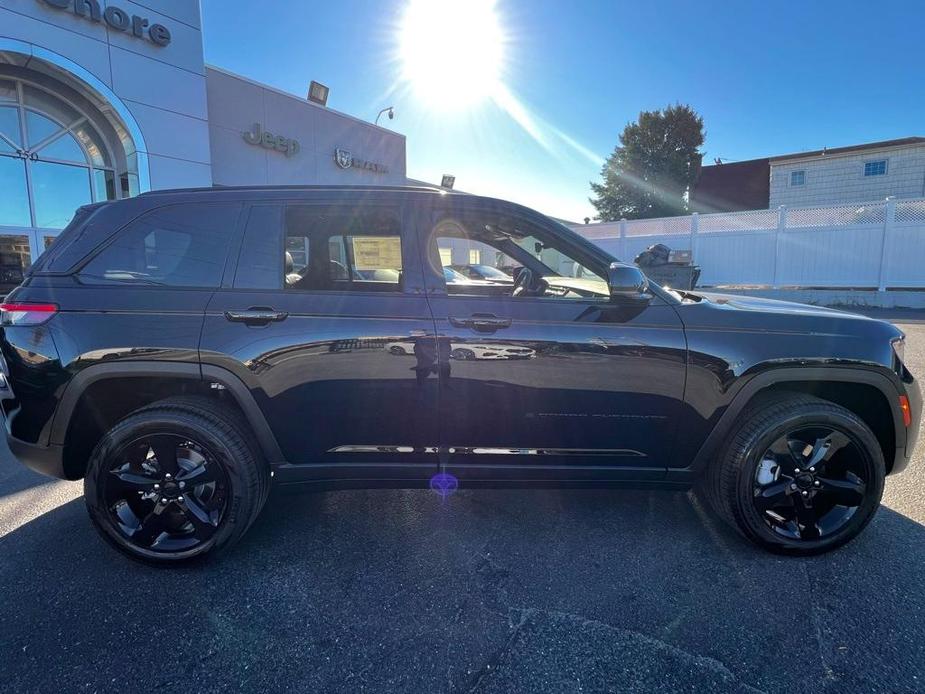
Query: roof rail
217, 188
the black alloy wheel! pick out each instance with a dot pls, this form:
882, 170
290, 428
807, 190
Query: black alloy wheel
176, 481
810, 482
166, 493
797, 474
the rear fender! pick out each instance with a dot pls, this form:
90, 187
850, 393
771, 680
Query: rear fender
139, 369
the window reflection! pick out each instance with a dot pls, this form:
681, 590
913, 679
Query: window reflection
14, 260
64, 148
105, 184
39, 128
9, 127
58, 190
42, 101
14, 200
8, 91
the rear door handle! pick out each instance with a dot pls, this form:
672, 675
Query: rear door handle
256, 316
481, 322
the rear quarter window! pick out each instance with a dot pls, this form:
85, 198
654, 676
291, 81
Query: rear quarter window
183, 245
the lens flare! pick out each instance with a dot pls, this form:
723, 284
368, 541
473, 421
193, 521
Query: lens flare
444, 484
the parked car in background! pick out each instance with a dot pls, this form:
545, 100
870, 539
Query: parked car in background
469, 351
180, 349
484, 272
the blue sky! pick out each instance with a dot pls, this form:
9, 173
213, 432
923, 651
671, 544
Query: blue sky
767, 77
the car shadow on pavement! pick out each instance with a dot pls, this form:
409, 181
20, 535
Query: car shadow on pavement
489, 590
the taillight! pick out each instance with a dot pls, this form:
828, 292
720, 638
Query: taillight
26, 314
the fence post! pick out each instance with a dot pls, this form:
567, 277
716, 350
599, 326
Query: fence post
889, 216
695, 226
781, 226
622, 255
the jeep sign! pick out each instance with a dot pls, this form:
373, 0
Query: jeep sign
288, 146
116, 18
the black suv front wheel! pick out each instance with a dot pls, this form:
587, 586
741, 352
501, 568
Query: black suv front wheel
800, 475
175, 480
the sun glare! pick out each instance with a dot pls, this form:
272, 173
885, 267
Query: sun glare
452, 51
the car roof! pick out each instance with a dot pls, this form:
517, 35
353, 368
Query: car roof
303, 188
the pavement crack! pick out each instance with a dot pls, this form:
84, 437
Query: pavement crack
528, 615
499, 654
822, 645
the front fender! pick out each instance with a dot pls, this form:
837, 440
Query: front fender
757, 380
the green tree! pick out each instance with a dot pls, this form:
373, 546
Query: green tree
650, 172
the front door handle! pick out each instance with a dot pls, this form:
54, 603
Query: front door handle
481, 322
256, 315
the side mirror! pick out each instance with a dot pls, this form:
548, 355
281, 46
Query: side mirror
627, 282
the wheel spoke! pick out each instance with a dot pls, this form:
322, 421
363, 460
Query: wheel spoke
203, 473
201, 519
824, 449
132, 480
843, 492
151, 526
788, 453
773, 495
165, 451
806, 517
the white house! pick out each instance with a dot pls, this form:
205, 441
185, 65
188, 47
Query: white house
861, 173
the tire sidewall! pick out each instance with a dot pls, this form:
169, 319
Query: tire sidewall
151, 423
858, 432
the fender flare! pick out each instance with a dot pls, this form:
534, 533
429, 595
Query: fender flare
782, 376
140, 369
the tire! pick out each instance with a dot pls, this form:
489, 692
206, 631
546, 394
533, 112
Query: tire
751, 473
219, 484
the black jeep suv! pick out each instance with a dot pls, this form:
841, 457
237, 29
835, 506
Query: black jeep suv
179, 349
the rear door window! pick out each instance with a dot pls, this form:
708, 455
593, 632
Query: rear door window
343, 249
182, 245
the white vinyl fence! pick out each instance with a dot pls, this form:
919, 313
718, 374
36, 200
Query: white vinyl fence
870, 245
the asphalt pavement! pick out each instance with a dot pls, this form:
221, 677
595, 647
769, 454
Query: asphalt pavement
486, 591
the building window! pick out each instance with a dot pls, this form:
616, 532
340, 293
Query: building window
797, 178
475, 256
52, 159
875, 168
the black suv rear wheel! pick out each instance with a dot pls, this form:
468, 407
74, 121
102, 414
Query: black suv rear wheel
175, 481
800, 475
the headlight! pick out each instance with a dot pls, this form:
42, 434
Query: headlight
899, 349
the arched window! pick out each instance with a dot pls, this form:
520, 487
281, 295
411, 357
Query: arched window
53, 159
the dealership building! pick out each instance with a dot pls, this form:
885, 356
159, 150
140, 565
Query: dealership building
105, 99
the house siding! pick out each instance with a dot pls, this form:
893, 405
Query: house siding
839, 179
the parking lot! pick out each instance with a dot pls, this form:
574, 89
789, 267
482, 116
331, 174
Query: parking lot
486, 591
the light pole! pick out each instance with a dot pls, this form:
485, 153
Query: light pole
387, 109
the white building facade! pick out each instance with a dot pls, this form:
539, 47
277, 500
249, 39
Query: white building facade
863, 173
104, 99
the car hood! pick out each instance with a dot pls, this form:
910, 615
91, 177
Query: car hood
721, 312
741, 302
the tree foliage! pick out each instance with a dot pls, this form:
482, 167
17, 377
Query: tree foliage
651, 170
